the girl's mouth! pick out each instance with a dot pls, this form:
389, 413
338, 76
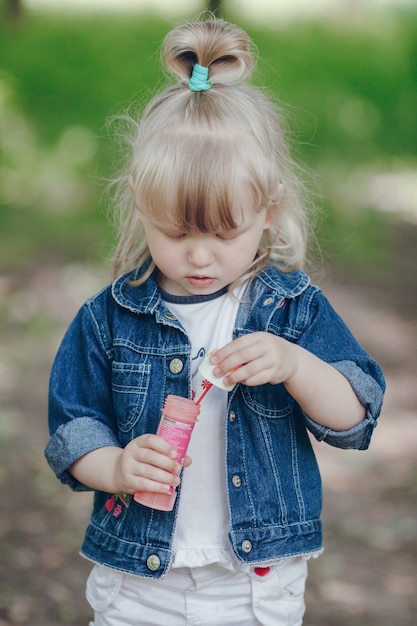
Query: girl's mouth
201, 281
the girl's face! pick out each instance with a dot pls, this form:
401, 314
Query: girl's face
197, 263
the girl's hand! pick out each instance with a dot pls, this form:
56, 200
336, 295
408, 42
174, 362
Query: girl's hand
319, 388
148, 464
256, 359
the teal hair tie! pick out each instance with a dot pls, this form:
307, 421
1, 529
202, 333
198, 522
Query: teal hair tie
198, 80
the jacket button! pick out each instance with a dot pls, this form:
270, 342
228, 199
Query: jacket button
246, 546
267, 301
153, 562
170, 316
232, 416
236, 480
176, 366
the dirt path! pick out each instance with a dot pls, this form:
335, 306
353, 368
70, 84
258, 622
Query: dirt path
368, 574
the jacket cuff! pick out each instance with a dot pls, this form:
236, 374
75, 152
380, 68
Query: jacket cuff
370, 395
72, 441
356, 438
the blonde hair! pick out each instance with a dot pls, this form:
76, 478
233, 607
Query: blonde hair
192, 151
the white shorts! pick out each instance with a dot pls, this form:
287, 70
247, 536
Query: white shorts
205, 596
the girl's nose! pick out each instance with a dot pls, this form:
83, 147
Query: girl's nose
199, 253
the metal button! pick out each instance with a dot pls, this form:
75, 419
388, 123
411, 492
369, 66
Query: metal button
169, 315
232, 416
153, 562
267, 301
236, 480
176, 366
246, 546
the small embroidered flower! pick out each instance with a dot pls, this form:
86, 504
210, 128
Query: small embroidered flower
109, 504
117, 510
124, 498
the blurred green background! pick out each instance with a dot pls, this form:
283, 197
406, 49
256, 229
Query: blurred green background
352, 105
348, 86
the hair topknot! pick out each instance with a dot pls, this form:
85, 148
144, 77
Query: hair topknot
192, 153
222, 47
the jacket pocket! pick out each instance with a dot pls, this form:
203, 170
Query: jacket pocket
130, 383
103, 585
268, 401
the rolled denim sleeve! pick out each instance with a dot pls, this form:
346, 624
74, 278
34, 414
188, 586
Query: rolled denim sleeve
327, 336
370, 395
72, 441
81, 414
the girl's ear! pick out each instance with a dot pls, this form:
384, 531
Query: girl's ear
270, 210
268, 219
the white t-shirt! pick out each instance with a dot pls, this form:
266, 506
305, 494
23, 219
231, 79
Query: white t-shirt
203, 516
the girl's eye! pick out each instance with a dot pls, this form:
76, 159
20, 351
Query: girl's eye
175, 235
227, 236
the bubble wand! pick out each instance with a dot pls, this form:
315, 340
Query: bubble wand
209, 378
207, 385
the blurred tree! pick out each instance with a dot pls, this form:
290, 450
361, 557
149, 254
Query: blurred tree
13, 9
215, 6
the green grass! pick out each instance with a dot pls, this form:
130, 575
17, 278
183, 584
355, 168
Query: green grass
351, 96
71, 71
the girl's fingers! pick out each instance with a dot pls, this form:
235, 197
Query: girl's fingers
155, 443
156, 482
254, 359
238, 358
149, 464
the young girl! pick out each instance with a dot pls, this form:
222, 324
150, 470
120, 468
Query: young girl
212, 238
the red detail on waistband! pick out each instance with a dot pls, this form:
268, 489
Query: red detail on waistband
262, 571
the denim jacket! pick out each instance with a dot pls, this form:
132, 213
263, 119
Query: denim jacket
125, 352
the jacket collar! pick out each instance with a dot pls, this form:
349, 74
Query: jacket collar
146, 298
287, 285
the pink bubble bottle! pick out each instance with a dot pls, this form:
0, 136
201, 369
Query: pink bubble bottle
179, 416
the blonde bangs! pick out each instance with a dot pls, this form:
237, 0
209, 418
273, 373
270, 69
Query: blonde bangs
203, 195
